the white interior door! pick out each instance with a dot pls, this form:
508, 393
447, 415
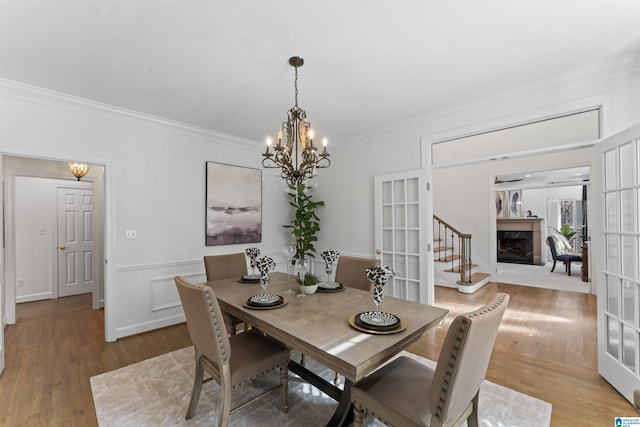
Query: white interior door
615, 248
402, 234
75, 241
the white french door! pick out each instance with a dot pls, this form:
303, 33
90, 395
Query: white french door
615, 254
402, 233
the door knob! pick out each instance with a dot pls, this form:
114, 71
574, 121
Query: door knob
378, 251
62, 247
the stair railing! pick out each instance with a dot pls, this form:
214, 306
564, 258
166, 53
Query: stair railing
463, 249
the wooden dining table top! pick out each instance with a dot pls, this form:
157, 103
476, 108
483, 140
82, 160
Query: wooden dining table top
317, 325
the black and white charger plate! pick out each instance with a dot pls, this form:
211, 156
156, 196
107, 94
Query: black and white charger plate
330, 287
377, 320
265, 299
358, 324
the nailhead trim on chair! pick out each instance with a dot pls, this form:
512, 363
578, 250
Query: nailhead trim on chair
462, 331
215, 324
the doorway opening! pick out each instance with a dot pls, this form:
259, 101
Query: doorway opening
16, 168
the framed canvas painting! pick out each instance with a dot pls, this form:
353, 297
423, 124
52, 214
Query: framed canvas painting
500, 204
233, 205
515, 204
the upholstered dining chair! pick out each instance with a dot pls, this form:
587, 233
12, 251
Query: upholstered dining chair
406, 392
567, 257
227, 266
229, 361
351, 271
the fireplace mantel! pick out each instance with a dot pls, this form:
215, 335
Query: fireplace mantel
525, 224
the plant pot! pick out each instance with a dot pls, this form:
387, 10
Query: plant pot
309, 289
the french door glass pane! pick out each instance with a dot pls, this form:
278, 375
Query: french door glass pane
612, 253
611, 212
398, 191
610, 170
629, 304
387, 216
400, 242
629, 260
413, 267
413, 216
613, 337
387, 240
626, 165
412, 190
387, 193
613, 295
399, 216
413, 243
628, 347
628, 214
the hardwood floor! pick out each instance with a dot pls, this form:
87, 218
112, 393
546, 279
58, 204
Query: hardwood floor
546, 348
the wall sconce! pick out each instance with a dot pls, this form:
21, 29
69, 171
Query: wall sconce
78, 169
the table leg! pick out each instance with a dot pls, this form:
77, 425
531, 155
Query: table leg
343, 415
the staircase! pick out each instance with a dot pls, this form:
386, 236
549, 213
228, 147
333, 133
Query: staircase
452, 259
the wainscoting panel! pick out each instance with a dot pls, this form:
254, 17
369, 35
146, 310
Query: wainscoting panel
148, 297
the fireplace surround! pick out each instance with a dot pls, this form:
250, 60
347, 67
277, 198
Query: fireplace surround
519, 241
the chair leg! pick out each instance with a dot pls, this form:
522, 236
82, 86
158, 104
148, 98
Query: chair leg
472, 420
197, 388
358, 415
554, 266
225, 406
569, 267
284, 385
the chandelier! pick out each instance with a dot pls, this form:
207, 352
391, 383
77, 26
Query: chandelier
295, 153
78, 169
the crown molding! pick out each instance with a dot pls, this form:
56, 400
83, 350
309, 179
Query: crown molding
48, 98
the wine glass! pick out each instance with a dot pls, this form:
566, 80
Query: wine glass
302, 267
288, 252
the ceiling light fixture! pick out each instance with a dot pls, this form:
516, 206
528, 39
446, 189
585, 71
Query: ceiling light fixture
78, 169
295, 153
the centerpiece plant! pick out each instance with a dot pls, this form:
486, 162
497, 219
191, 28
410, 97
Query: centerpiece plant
305, 224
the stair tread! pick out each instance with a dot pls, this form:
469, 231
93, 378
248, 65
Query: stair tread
475, 278
448, 258
456, 269
442, 248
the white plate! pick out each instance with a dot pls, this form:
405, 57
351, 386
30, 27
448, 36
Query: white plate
378, 318
265, 299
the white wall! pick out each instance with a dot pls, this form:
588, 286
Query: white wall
155, 179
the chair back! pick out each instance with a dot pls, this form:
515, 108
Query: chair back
552, 247
204, 321
351, 271
464, 359
228, 266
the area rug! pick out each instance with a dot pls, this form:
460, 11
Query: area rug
156, 392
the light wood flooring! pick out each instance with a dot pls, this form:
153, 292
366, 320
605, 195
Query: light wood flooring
546, 348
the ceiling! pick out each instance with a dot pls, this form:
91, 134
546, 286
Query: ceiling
370, 65
543, 179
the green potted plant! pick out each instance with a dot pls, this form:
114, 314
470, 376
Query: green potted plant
565, 230
309, 283
305, 223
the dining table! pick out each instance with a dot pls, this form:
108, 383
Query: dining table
321, 326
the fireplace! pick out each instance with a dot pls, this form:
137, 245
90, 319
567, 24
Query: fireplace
519, 240
515, 246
